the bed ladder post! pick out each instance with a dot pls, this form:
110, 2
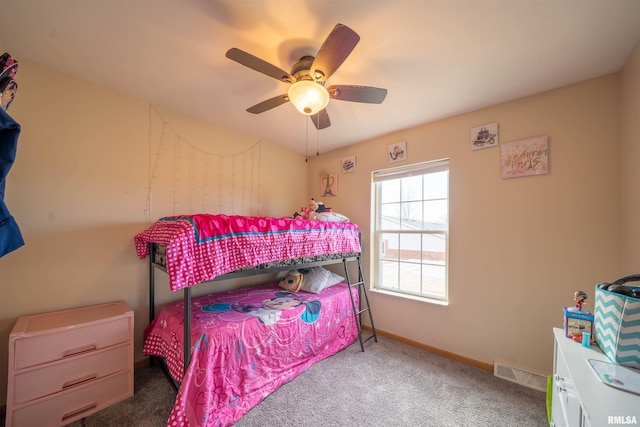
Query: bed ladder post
152, 298
364, 306
187, 328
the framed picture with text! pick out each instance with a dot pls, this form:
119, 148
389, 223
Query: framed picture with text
524, 158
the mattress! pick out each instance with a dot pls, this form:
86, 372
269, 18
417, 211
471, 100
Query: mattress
247, 343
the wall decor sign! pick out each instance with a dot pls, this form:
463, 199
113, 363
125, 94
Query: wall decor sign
397, 151
524, 158
329, 184
484, 136
349, 164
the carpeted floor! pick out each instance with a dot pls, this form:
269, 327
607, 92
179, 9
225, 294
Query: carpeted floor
390, 384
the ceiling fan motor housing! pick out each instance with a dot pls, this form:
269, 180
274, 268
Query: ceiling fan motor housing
301, 70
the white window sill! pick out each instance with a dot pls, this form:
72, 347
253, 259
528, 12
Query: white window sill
410, 297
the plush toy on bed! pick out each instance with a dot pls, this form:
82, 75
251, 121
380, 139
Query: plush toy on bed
292, 282
319, 207
319, 212
305, 213
311, 211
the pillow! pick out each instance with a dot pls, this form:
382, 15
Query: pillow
334, 279
318, 278
331, 216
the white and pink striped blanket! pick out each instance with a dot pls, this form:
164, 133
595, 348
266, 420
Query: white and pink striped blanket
248, 342
201, 247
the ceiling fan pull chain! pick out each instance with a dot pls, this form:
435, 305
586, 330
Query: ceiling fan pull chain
306, 148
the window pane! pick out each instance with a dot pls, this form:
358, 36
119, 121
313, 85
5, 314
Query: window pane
412, 188
436, 185
436, 214
433, 264
433, 280
410, 277
412, 215
389, 243
389, 275
390, 216
409, 247
390, 191
434, 248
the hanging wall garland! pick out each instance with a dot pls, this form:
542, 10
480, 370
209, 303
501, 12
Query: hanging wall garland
192, 180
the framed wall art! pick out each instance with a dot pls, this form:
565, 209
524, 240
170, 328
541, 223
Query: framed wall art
349, 164
329, 184
524, 158
484, 136
397, 151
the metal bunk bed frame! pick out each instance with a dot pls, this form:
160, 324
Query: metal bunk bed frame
363, 299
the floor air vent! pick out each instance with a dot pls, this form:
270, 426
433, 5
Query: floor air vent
516, 375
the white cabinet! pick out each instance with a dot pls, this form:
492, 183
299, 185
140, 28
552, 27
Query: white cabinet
565, 404
66, 365
579, 398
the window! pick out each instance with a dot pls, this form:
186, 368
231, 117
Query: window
411, 229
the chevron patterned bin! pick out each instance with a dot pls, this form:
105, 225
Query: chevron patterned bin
617, 327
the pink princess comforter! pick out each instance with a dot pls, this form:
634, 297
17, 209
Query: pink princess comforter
201, 247
247, 343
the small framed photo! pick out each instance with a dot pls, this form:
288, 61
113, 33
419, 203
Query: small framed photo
397, 151
329, 184
484, 136
349, 164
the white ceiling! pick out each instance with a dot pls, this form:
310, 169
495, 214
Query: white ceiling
437, 58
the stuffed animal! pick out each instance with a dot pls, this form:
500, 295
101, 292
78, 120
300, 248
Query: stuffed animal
311, 211
304, 213
320, 207
292, 282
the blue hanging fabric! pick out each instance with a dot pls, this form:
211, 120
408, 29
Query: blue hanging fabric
10, 236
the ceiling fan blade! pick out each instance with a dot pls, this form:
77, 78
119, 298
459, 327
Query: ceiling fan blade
368, 94
268, 104
335, 49
260, 65
321, 119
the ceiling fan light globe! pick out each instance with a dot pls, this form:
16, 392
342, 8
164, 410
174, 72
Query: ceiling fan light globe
308, 97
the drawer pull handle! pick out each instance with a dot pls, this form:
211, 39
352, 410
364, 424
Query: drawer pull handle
78, 381
79, 411
79, 350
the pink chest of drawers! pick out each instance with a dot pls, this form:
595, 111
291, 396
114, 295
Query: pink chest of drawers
66, 365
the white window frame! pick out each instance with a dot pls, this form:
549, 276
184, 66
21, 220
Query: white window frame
377, 231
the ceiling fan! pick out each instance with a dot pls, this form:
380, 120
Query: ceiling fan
309, 75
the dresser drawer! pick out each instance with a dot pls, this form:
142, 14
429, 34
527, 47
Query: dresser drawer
38, 349
63, 375
74, 404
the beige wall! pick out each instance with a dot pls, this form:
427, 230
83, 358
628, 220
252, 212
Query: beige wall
78, 190
630, 96
519, 248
